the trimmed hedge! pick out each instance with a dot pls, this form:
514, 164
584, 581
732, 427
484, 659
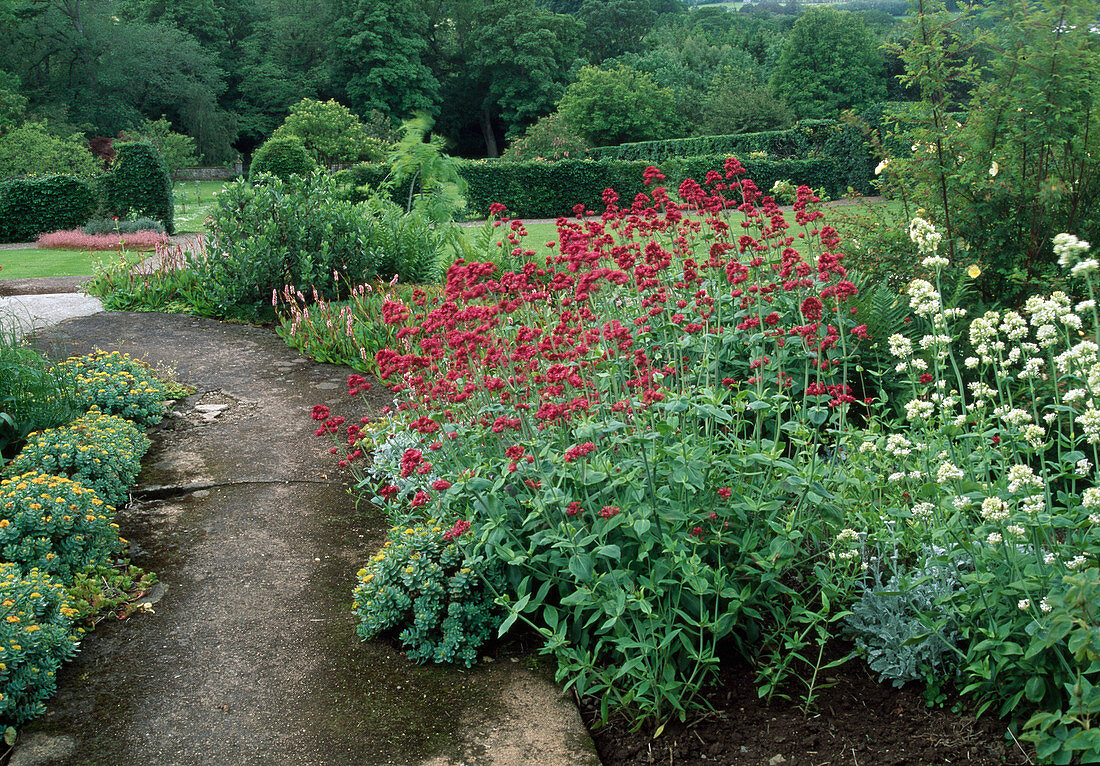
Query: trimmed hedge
551, 189
809, 139
33, 206
139, 185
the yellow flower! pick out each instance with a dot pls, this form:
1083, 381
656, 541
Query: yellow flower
973, 271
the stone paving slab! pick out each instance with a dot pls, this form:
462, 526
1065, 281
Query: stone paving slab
25, 313
251, 655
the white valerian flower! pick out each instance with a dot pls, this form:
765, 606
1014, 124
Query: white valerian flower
1094, 518
1089, 420
1045, 606
994, 538
1023, 604
923, 297
1082, 467
935, 262
1013, 325
847, 535
1033, 435
898, 445
1084, 306
1033, 505
1076, 562
1033, 368
923, 510
1013, 416
916, 475
918, 409
1049, 558
1085, 266
1074, 394
868, 447
960, 503
924, 235
948, 472
1020, 476
1015, 530
896, 476
1068, 248
994, 509
971, 362
1050, 417
1091, 497
900, 346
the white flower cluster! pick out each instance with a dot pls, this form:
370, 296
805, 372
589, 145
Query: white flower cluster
1069, 250
994, 509
1021, 476
948, 472
918, 409
924, 299
898, 446
927, 239
900, 346
1091, 497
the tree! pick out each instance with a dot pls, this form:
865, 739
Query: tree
330, 133
615, 27
522, 54
733, 105
378, 52
31, 149
177, 149
1022, 163
829, 63
548, 139
614, 106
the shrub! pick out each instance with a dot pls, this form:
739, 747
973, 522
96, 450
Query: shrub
138, 184
32, 396
99, 591
101, 452
330, 133
548, 139
282, 158
35, 638
421, 583
269, 235
122, 226
117, 385
54, 524
77, 239
33, 149
889, 624
29, 207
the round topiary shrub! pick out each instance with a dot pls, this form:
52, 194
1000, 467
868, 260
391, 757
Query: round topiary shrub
54, 524
139, 185
421, 583
35, 638
102, 452
282, 157
117, 385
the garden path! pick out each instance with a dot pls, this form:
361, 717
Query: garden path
250, 656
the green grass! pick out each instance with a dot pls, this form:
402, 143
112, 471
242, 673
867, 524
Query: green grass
31, 263
194, 202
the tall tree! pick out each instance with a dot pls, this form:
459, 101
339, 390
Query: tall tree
829, 62
379, 48
522, 54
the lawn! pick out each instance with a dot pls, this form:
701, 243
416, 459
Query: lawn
30, 263
194, 201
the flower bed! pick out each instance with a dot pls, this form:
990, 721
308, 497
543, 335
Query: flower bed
667, 432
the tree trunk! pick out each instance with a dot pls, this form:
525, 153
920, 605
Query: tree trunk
487, 132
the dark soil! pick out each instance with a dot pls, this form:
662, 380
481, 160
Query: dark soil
856, 721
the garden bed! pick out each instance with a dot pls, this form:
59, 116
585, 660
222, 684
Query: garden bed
855, 721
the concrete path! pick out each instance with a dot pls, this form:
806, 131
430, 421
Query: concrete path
251, 656
22, 314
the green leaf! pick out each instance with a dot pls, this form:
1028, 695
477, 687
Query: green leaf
1035, 689
609, 551
9, 736
580, 565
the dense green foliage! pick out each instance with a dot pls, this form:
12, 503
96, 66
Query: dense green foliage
294, 232
829, 62
116, 384
612, 106
329, 132
33, 206
282, 157
422, 586
227, 73
138, 185
177, 149
32, 149
100, 452
35, 638
1019, 162
32, 397
54, 524
548, 139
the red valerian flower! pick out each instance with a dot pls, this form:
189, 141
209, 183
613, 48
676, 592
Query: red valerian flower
609, 510
725, 493
441, 484
419, 499
812, 308
578, 451
320, 412
515, 452
460, 528
573, 508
